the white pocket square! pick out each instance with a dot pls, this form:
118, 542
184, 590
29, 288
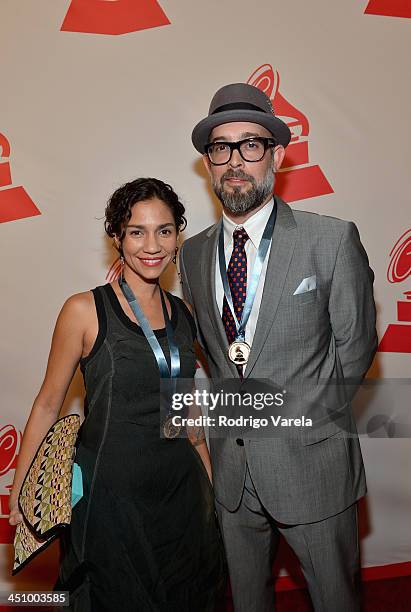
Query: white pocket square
307, 284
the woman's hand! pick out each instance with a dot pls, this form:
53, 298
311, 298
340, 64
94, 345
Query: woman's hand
15, 516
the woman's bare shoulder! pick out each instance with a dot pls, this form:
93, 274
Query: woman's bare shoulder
188, 306
79, 307
80, 301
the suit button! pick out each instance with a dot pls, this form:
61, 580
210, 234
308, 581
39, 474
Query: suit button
240, 441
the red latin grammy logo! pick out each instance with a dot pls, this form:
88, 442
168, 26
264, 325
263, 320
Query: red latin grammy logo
15, 203
10, 440
297, 179
113, 16
389, 8
397, 338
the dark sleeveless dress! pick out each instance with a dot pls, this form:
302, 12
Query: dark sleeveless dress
144, 536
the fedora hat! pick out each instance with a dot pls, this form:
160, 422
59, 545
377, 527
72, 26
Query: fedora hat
240, 102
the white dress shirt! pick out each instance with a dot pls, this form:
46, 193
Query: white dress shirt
254, 226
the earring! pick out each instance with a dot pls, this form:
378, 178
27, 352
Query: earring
122, 268
174, 260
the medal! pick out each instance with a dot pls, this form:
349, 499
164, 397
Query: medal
239, 352
171, 430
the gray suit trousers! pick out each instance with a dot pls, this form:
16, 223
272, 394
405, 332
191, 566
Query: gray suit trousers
328, 552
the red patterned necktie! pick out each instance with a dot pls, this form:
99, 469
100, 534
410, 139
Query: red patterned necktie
237, 279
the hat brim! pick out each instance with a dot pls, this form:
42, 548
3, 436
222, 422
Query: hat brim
201, 133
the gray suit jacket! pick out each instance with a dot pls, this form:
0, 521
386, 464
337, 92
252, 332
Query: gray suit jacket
325, 335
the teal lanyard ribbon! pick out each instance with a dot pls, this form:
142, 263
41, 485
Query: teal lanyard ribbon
255, 273
150, 335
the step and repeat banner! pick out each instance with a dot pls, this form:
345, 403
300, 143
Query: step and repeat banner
98, 92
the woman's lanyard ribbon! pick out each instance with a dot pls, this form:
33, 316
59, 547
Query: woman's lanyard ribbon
150, 335
255, 274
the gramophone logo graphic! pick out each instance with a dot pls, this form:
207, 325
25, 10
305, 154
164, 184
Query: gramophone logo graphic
397, 338
113, 16
297, 179
389, 8
10, 440
15, 203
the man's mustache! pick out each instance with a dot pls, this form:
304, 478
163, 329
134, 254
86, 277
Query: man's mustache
238, 175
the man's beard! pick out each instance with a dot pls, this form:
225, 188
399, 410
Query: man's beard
238, 202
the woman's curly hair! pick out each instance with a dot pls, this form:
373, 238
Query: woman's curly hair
118, 209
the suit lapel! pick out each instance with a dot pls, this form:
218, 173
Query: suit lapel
208, 267
282, 248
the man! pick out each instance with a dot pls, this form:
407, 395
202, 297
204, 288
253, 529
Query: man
309, 328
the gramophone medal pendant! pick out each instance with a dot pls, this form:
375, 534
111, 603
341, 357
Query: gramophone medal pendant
239, 350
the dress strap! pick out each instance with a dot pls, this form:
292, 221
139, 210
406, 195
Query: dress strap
187, 314
102, 325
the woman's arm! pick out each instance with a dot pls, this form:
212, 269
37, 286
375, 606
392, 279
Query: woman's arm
65, 353
197, 438
196, 434
202, 450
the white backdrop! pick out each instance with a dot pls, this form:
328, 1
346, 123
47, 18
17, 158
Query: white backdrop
98, 92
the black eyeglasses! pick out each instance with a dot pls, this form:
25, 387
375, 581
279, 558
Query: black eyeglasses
250, 149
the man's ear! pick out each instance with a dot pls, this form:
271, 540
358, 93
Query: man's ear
207, 163
278, 157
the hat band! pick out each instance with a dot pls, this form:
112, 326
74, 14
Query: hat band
237, 106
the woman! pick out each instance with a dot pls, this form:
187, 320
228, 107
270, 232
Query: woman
144, 536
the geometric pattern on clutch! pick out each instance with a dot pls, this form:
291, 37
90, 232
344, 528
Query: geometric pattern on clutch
26, 545
45, 496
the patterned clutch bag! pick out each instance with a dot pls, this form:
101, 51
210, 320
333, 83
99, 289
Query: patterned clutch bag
46, 496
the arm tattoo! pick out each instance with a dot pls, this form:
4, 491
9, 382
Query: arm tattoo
198, 436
